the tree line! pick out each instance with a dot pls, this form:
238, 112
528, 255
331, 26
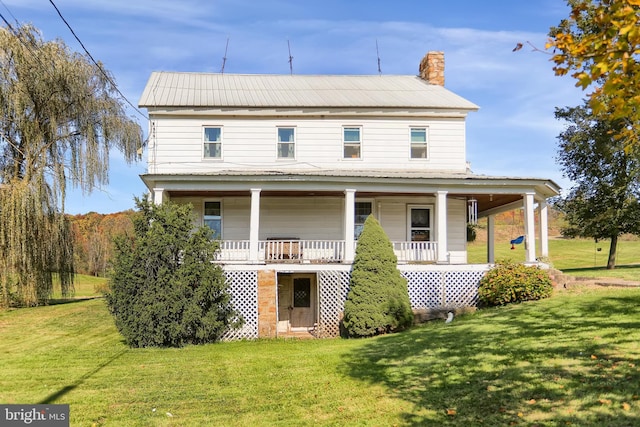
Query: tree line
93, 239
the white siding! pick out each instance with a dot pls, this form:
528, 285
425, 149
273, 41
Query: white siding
321, 218
456, 224
309, 218
176, 144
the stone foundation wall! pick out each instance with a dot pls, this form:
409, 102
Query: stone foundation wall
267, 310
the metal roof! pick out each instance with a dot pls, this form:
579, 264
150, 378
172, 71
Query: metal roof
179, 89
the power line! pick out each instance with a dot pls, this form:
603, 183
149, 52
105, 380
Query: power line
5, 6
96, 63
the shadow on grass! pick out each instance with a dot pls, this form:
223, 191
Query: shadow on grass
53, 397
71, 300
601, 268
544, 363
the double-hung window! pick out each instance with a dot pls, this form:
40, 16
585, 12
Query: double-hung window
352, 140
286, 143
362, 211
418, 143
212, 142
213, 218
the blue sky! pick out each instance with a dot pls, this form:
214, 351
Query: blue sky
513, 134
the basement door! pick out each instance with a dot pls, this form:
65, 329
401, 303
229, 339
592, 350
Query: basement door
297, 302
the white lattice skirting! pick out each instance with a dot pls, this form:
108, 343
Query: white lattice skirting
243, 286
427, 288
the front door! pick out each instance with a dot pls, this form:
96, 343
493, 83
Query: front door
297, 302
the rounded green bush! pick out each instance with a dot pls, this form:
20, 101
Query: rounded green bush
508, 282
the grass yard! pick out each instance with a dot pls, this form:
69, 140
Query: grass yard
579, 257
569, 360
84, 287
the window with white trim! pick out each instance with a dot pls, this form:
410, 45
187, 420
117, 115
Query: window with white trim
418, 143
352, 141
212, 142
286, 143
420, 224
361, 212
213, 218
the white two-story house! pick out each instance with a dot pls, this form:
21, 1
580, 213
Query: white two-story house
286, 168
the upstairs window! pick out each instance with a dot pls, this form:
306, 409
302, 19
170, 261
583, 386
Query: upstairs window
212, 143
352, 140
362, 211
418, 143
286, 143
213, 218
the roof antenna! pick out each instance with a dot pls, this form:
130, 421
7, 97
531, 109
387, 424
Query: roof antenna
224, 58
290, 59
378, 54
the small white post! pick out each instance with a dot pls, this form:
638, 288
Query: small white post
441, 226
349, 225
529, 228
254, 225
158, 196
544, 228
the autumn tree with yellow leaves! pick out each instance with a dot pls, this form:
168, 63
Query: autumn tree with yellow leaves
598, 45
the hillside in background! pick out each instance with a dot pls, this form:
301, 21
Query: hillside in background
93, 239
509, 225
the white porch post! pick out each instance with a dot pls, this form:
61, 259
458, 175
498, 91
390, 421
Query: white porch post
254, 225
529, 228
349, 224
441, 226
491, 241
544, 228
158, 196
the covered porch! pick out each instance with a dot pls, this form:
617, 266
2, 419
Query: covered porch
313, 218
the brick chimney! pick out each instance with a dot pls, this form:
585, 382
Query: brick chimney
432, 68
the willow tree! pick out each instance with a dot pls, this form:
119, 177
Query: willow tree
60, 116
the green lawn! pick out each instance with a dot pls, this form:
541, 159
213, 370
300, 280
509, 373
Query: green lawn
84, 287
579, 257
569, 360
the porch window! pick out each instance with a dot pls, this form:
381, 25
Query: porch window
212, 142
420, 220
418, 143
362, 211
352, 140
213, 218
286, 143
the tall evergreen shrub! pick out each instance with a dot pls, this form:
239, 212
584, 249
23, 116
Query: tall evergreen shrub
165, 291
378, 299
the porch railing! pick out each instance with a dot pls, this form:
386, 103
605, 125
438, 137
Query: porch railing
416, 251
233, 250
315, 251
319, 251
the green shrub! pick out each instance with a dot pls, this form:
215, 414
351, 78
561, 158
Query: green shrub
378, 299
165, 291
509, 282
